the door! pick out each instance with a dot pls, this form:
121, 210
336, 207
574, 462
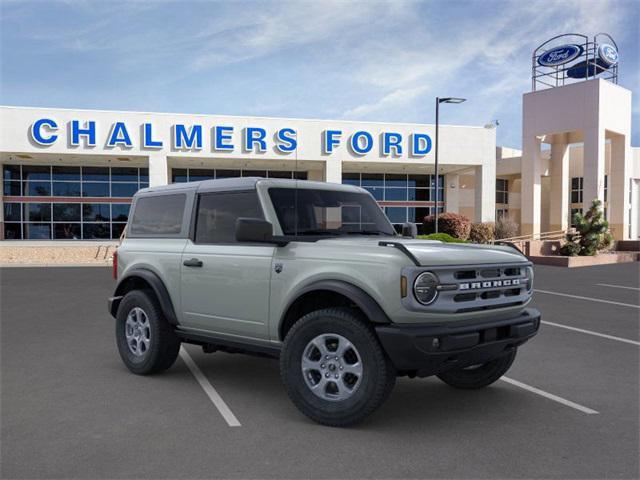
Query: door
225, 284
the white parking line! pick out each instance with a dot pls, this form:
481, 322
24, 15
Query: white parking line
550, 396
617, 286
211, 392
588, 298
610, 337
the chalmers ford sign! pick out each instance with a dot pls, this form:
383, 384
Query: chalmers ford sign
221, 138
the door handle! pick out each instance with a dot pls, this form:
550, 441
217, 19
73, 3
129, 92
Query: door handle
194, 262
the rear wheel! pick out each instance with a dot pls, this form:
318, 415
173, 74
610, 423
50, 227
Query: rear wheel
334, 368
479, 376
146, 341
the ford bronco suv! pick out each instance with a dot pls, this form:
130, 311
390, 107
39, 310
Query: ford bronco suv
314, 274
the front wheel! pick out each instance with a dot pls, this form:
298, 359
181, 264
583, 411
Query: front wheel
334, 369
479, 376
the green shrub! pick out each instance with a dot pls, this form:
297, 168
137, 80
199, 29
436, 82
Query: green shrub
453, 224
506, 228
482, 232
592, 233
443, 237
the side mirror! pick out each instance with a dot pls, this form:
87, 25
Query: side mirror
254, 230
409, 230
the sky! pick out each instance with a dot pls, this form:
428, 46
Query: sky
344, 60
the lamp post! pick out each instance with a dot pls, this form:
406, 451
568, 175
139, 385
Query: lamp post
438, 102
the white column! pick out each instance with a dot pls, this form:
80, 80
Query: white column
618, 188
158, 170
559, 204
593, 167
531, 189
333, 170
485, 192
452, 192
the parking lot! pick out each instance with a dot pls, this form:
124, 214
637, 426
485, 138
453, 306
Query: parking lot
70, 409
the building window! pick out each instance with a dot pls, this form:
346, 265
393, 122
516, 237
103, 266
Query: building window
391, 187
502, 213
576, 190
180, 175
606, 187
65, 214
502, 191
573, 212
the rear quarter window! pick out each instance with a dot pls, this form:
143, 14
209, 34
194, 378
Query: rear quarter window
158, 215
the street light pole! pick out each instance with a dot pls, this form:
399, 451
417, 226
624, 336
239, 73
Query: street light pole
436, 162
438, 102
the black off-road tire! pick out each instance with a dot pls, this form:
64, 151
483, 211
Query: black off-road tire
164, 345
377, 381
481, 376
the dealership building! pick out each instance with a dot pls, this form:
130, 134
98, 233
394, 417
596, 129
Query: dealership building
70, 174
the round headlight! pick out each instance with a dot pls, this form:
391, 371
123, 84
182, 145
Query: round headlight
425, 288
529, 279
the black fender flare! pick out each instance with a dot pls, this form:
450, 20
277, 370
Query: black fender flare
157, 285
362, 299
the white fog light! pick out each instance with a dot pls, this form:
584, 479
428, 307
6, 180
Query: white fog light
425, 288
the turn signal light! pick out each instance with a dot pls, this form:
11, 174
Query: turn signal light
115, 265
403, 286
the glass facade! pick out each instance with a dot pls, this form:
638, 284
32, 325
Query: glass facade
417, 192
179, 175
77, 202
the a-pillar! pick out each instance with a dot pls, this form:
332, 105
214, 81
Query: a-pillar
531, 188
485, 192
559, 205
593, 167
618, 188
158, 170
452, 195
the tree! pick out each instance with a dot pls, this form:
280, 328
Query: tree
592, 233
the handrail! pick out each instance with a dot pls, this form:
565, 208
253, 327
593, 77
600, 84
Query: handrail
551, 235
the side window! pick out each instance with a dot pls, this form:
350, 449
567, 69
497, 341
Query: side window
158, 215
218, 212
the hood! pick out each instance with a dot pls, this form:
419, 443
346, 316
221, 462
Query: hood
435, 253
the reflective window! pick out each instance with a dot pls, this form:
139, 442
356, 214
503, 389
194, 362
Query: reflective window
576, 190
66, 189
128, 174
12, 189
120, 212
218, 212
95, 212
37, 189
123, 189
66, 173
12, 212
68, 231
37, 212
13, 231
158, 215
96, 231
36, 172
95, 189
37, 231
66, 212
95, 174
396, 187
502, 190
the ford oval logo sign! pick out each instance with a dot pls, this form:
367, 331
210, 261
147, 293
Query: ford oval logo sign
560, 55
608, 54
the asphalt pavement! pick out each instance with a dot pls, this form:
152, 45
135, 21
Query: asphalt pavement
569, 407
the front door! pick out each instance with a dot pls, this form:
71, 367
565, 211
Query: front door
225, 284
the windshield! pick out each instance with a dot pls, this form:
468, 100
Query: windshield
328, 212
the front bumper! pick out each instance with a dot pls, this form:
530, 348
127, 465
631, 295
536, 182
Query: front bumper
426, 350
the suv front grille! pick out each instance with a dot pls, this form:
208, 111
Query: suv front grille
482, 287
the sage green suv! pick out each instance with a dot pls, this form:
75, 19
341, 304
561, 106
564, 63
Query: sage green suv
314, 274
